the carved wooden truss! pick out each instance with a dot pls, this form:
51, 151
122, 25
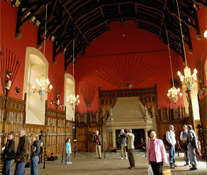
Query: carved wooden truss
85, 20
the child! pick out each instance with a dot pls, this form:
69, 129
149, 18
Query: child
68, 151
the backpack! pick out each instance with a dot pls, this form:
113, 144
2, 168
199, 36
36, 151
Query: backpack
165, 140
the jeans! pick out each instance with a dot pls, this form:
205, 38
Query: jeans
193, 158
171, 154
34, 165
67, 158
186, 153
19, 169
7, 167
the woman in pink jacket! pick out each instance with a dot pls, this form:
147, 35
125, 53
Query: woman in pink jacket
156, 153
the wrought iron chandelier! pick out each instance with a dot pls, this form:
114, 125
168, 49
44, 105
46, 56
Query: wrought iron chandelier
187, 79
43, 86
173, 93
73, 99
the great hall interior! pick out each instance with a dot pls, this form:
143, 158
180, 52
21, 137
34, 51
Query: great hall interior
70, 67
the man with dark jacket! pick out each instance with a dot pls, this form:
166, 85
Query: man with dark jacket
22, 153
97, 139
8, 154
123, 139
192, 146
183, 137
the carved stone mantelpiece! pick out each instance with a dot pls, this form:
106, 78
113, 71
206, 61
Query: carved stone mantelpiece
128, 113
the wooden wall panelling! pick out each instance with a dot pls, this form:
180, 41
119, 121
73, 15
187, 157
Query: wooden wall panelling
148, 97
56, 129
87, 123
166, 117
82, 145
203, 117
51, 130
55, 124
14, 119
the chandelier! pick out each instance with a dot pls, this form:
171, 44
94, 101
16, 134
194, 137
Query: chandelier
73, 99
186, 79
43, 85
173, 93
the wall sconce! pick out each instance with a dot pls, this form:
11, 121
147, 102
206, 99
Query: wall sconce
17, 90
8, 81
56, 101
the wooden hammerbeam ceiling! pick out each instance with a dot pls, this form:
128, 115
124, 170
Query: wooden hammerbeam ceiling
84, 20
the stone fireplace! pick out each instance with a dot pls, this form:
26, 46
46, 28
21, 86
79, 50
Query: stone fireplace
128, 113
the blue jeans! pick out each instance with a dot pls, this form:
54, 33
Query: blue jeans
19, 169
67, 157
171, 154
34, 165
7, 167
193, 158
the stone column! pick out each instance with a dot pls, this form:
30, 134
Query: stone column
146, 135
114, 137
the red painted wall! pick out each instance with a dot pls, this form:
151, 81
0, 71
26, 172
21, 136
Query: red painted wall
103, 51
111, 45
18, 47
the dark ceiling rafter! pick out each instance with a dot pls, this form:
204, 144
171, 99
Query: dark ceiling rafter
85, 20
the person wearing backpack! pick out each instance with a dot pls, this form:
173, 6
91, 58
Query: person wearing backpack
8, 154
183, 138
21, 153
192, 146
35, 151
170, 137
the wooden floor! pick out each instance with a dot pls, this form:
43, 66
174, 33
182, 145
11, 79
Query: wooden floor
87, 164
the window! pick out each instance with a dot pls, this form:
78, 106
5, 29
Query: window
35, 65
69, 88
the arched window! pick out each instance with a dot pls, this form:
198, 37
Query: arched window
69, 88
35, 65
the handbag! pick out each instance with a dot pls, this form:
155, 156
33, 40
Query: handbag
150, 172
166, 172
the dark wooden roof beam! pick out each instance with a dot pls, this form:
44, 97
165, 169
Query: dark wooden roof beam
53, 8
50, 31
163, 18
87, 14
87, 20
138, 4
20, 23
70, 16
135, 9
79, 6
201, 2
107, 26
119, 9
136, 23
102, 12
